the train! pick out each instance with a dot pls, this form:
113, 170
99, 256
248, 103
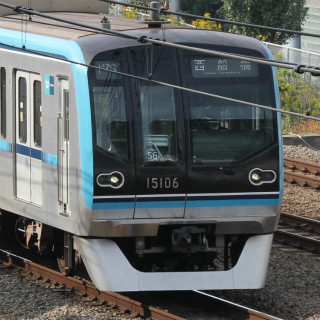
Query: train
105, 161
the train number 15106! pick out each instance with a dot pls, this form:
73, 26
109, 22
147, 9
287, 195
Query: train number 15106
162, 183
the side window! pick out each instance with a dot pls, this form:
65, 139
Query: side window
3, 106
37, 113
22, 109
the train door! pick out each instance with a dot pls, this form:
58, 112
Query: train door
63, 148
28, 151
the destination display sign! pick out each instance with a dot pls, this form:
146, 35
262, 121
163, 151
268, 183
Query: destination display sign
109, 65
223, 68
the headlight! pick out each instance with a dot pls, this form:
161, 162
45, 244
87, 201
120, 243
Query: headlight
258, 176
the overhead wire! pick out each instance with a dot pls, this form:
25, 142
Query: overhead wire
144, 39
193, 16
247, 103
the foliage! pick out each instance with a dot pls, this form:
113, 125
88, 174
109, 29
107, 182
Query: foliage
205, 24
285, 14
128, 13
300, 94
200, 6
145, 3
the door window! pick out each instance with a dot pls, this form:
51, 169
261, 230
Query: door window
37, 113
23, 109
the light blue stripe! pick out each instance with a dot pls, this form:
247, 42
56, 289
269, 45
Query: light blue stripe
5, 146
279, 122
50, 159
114, 205
70, 50
160, 204
232, 203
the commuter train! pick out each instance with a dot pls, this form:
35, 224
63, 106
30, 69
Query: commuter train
150, 186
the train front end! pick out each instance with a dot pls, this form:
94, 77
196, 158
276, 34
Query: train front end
187, 186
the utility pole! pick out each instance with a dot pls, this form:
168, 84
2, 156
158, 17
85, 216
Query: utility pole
174, 5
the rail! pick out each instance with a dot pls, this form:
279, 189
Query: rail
302, 173
300, 232
112, 298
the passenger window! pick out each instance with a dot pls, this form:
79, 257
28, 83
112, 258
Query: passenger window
3, 107
37, 113
22, 110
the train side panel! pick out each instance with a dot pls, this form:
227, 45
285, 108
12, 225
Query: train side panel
56, 173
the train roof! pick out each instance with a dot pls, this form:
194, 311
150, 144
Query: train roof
91, 42
43, 26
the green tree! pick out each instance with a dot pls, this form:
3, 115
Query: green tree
300, 94
199, 7
285, 14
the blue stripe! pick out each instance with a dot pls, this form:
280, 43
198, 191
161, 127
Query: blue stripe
5, 146
114, 205
160, 204
232, 203
25, 151
161, 199
113, 200
233, 197
36, 154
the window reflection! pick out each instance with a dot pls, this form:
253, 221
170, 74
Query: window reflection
159, 128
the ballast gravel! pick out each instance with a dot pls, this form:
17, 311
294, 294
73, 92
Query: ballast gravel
24, 297
292, 289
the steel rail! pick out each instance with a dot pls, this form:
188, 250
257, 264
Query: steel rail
299, 232
302, 179
302, 173
250, 314
124, 303
300, 221
303, 166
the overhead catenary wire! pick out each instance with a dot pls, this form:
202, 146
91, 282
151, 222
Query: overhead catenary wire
295, 67
144, 39
193, 16
246, 103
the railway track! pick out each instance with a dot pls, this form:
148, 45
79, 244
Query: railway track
299, 232
302, 173
202, 300
85, 288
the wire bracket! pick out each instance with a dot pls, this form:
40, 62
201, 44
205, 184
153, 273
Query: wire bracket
161, 11
18, 9
142, 39
297, 69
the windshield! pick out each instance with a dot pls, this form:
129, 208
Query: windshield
158, 105
225, 131
109, 108
158, 118
171, 126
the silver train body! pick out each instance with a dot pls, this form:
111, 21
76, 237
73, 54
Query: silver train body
154, 188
